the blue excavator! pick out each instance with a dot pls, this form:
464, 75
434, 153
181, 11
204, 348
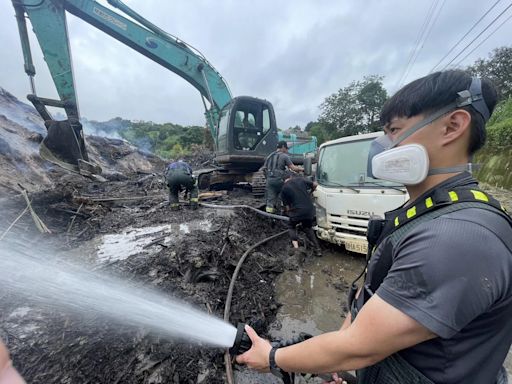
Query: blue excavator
243, 128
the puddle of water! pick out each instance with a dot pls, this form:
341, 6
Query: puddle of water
128, 243
20, 312
203, 225
131, 241
310, 302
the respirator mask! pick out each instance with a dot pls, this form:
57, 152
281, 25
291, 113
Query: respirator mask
409, 164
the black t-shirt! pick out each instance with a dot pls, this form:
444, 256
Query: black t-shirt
453, 275
296, 195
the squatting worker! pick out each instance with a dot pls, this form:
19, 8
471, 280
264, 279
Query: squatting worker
436, 303
179, 176
298, 205
275, 172
8, 375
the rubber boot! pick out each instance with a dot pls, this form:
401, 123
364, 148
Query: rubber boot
174, 207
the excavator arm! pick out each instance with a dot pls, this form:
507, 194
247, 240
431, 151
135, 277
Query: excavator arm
64, 143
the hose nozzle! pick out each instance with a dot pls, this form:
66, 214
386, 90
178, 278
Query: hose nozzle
242, 341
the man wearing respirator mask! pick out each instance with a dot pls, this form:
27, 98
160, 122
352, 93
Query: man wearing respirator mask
436, 301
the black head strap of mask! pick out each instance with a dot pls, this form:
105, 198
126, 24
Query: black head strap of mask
476, 99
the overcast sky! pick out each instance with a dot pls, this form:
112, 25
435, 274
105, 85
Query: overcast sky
291, 52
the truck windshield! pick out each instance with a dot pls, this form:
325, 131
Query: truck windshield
344, 164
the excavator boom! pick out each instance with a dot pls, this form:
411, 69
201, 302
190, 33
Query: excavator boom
48, 19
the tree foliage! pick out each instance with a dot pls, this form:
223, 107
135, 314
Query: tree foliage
498, 69
352, 110
323, 132
499, 128
166, 140
355, 108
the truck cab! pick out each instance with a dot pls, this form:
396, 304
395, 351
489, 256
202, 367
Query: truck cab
346, 197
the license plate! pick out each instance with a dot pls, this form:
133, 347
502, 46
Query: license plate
357, 246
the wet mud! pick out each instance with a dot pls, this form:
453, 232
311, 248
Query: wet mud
125, 229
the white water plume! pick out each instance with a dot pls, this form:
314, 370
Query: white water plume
44, 281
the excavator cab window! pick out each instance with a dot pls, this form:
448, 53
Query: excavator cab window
251, 123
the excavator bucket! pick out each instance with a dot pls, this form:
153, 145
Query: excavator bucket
64, 145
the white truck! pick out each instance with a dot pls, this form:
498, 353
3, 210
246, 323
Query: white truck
346, 197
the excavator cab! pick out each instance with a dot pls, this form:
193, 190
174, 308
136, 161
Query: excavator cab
247, 133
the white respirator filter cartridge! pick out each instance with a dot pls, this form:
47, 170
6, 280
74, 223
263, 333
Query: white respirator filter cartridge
407, 164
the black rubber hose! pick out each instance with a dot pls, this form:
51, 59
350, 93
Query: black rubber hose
227, 307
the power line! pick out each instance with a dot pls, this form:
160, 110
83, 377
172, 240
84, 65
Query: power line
418, 39
483, 41
480, 34
427, 35
463, 37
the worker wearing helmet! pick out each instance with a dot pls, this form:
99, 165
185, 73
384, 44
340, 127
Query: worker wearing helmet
179, 177
435, 302
275, 167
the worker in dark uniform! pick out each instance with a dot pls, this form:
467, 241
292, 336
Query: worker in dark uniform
298, 205
179, 177
436, 302
275, 167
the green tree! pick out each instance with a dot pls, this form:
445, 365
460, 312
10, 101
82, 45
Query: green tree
190, 136
499, 128
309, 126
498, 69
208, 138
166, 140
322, 132
355, 108
178, 151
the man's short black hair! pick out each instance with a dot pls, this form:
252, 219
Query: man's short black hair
430, 93
282, 144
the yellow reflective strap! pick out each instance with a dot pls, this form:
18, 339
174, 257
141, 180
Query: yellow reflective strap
194, 199
411, 212
428, 202
453, 196
270, 210
479, 195
397, 223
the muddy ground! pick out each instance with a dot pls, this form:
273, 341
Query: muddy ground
51, 346
181, 257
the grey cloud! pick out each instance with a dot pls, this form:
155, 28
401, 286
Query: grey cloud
293, 53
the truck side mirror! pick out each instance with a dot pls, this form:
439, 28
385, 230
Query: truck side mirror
308, 166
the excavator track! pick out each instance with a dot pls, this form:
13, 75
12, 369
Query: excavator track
258, 184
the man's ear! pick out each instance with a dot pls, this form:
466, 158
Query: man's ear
457, 124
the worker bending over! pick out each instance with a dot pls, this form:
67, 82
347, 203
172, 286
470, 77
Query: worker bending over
275, 167
436, 302
298, 205
179, 177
